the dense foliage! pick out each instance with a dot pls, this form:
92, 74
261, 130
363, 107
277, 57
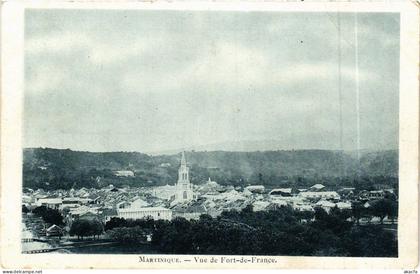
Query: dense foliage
276, 232
83, 227
128, 235
147, 223
55, 168
50, 216
25, 209
385, 207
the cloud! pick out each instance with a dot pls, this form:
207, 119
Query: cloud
168, 79
44, 79
61, 42
237, 66
323, 71
98, 52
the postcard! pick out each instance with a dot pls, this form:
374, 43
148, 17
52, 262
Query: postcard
209, 135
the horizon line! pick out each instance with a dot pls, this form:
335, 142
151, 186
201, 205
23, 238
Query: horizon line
217, 150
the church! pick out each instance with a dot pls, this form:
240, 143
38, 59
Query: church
185, 203
184, 189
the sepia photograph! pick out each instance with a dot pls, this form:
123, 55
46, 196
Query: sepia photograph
216, 132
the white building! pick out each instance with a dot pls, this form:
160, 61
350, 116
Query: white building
344, 205
255, 188
260, 205
317, 187
53, 203
326, 205
184, 189
303, 207
320, 195
124, 173
281, 191
157, 213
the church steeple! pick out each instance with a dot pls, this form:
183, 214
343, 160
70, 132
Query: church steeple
183, 172
184, 187
183, 160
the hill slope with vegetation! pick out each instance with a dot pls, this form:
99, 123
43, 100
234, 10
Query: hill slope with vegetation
63, 168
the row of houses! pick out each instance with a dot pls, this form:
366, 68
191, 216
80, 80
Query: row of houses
212, 199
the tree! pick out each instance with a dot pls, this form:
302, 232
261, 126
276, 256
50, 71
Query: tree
79, 228
273, 232
40, 211
115, 222
128, 235
357, 210
53, 216
335, 221
50, 216
96, 228
369, 241
393, 211
320, 214
383, 208
159, 231
24, 209
248, 209
82, 228
304, 215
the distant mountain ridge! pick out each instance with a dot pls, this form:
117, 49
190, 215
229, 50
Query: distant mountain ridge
245, 146
230, 146
65, 168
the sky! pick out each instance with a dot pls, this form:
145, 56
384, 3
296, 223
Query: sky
126, 80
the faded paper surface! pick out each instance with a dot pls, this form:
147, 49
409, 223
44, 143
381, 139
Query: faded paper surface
12, 143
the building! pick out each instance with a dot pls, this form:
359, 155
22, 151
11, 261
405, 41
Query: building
303, 207
320, 195
260, 205
376, 194
317, 187
107, 213
124, 173
53, 203
157, 213
344, 205
371, 195
139, 209
189, 212
256, 188
326, 205
286, 192
123, 204
184, 189
76, 213
54, 230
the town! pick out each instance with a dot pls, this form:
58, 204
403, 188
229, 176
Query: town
56, 220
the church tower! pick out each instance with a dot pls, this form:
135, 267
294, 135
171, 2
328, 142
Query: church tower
184, 190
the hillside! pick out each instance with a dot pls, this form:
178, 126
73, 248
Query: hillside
56, 168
